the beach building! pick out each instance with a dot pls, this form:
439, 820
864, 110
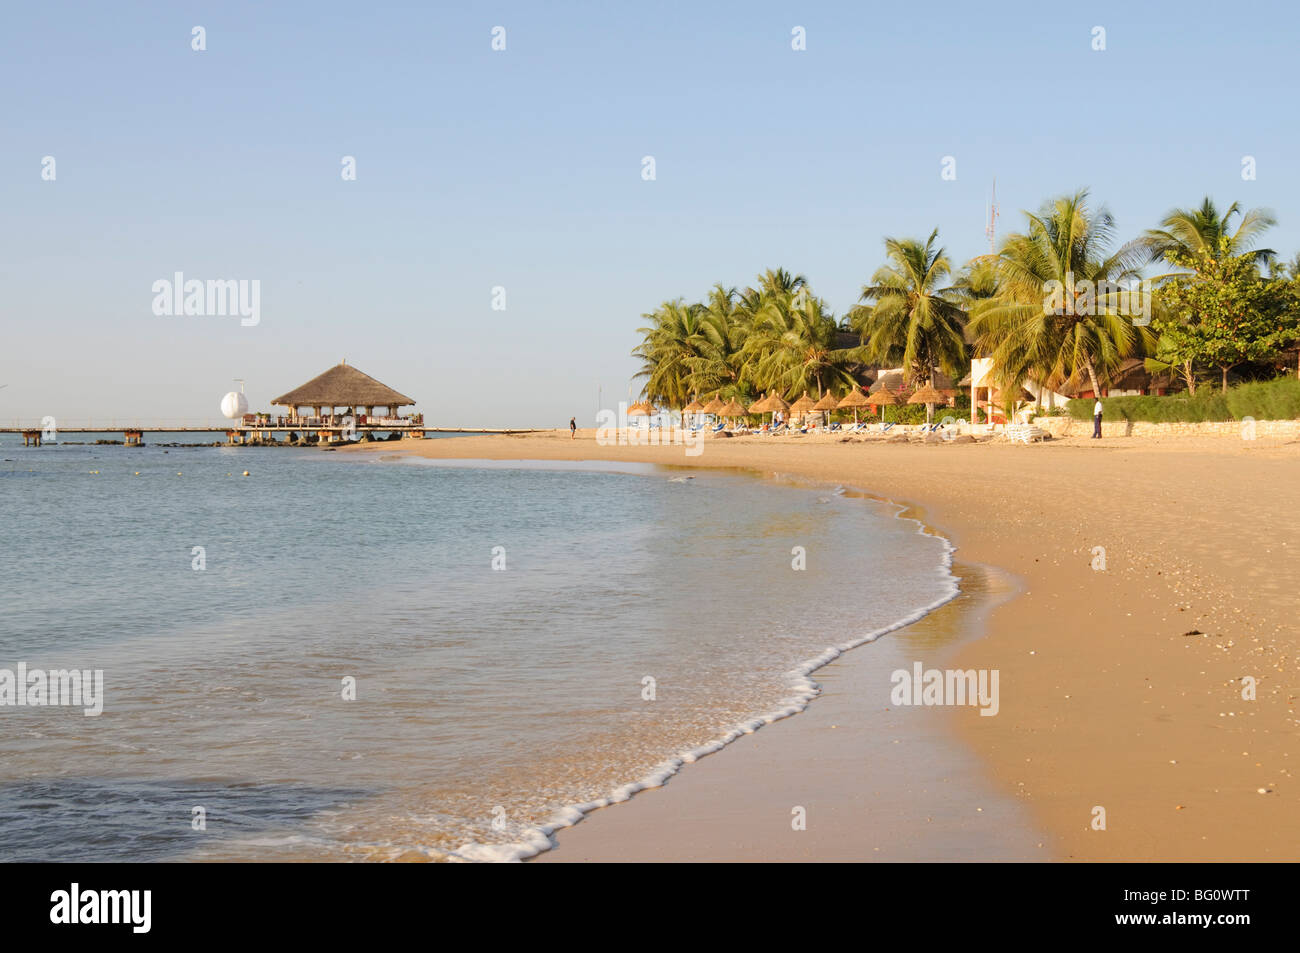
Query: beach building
1130, 378
341, 401
345, 391
896, 381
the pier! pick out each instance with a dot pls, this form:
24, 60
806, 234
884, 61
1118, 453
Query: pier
335, 407
240, 434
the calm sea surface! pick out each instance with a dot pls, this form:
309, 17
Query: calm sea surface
640, 616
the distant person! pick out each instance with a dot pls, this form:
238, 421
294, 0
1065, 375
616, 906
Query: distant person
1096, 420
573, 428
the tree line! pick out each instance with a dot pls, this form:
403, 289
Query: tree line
1057, 303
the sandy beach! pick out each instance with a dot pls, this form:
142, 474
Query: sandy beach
1121, 687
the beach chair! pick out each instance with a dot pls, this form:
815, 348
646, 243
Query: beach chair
885, 428
1024, 433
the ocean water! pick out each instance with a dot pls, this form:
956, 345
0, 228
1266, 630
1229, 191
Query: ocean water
644, 617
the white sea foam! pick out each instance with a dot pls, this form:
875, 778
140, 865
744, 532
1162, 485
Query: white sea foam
536, 839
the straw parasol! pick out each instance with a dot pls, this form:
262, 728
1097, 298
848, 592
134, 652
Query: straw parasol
714, 406
641, 409
803, 406
883, 398
732, 408
827, 403
854, 399
694, 407
929, 396
776, 402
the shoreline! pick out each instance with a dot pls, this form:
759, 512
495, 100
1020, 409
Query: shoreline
1106, 702
558, 839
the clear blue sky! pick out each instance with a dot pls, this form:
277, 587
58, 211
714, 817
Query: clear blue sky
522, 169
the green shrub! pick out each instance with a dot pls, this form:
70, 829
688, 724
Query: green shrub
1263, 400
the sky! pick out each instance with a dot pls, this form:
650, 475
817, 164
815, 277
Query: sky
480, 169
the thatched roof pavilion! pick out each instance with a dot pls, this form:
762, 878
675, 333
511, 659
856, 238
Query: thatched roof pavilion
344, 386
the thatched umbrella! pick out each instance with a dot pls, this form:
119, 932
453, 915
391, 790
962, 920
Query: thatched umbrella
828, 403
855, 399
694, 407
641, 409
929, 396
803, 406
732, 408
883, 398
714, 406
775, 402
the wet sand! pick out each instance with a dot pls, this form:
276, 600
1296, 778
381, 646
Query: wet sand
1121, 687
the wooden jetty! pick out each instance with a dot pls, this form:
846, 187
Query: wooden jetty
337, 406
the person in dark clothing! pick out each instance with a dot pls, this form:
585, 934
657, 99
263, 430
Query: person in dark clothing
573, 428
1096, 420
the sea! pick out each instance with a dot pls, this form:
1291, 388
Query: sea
309, 655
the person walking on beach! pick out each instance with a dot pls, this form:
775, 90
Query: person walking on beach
1096, 420
573, 428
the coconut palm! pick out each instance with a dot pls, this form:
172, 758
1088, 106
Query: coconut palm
672, 342
1057, 313
793, 344
716, 366
1188, 232
916, 320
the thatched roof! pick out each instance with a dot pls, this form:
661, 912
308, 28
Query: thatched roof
776, 402
343, 386
926, 395
894, 381
853, 398
883, 398
714, 406
828, 402
803, 405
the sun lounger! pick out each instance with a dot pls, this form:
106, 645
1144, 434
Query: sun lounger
1024, 433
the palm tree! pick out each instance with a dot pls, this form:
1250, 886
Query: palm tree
716, 366
1057, 313
671, 344
793, 345
1186, 233
916, 321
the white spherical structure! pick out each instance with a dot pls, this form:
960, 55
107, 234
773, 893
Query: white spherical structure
234, 405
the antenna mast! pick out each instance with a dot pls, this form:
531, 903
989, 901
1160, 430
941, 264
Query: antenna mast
990, 230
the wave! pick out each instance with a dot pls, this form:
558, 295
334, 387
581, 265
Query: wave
539, 837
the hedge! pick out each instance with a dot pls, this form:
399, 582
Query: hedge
1263, 400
